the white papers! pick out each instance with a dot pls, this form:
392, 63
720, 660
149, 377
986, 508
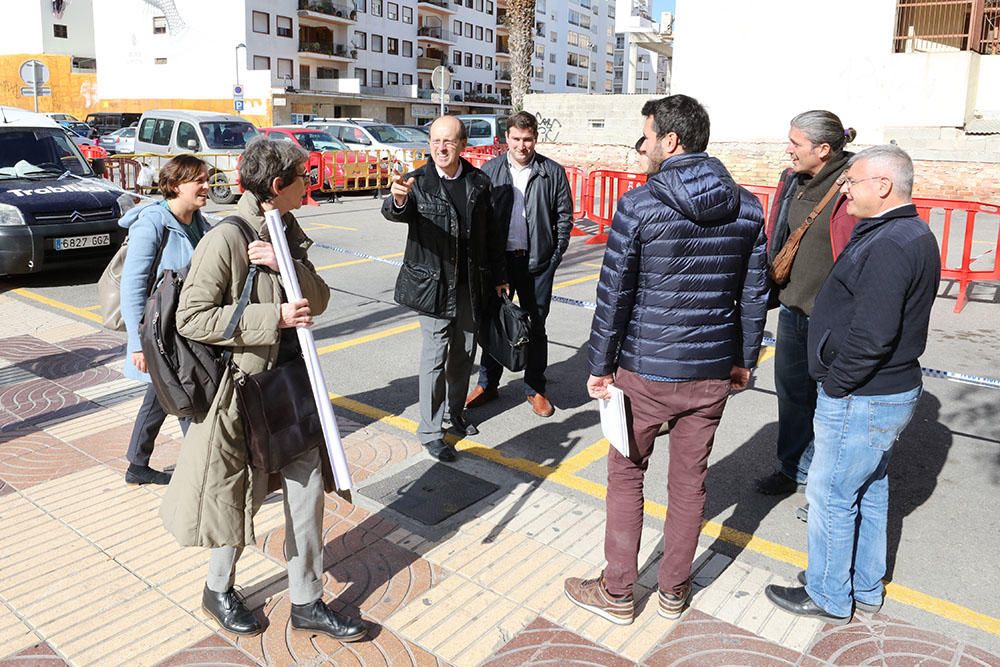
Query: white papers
331, 433
613, 422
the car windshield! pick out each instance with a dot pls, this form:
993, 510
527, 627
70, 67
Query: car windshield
127, 132
319, 141
413, 134
386, 134
25, 152
80, 128
228, 134
502, 130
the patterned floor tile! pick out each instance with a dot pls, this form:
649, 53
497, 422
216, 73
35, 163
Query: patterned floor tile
36, 457
71, 367
877, 639
110, 344
39, 655
5, 488
41, 401
214, 651
370, 450
700, 639
543, 642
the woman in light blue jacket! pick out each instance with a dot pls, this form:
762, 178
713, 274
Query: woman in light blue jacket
170, 229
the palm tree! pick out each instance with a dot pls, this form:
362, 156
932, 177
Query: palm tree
521, 20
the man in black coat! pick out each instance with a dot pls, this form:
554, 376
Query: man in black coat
532, 193
453, 261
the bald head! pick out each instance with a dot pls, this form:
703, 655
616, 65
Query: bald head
448, 139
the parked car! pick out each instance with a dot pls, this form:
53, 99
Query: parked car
119, 141
63, 116
366, 134
54, 210
79, 139
415, 133
347, 165
222, 136
78, 128
485, 129
106, 122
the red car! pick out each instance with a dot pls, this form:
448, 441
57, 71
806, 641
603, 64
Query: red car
344, 169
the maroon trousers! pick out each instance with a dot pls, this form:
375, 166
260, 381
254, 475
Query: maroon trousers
692, 410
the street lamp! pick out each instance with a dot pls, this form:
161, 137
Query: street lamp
239, 46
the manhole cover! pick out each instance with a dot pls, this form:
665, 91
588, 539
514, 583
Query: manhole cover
429, 492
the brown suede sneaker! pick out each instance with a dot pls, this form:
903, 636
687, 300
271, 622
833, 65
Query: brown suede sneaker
594, 597
671, 606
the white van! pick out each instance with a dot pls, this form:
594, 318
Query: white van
222, 137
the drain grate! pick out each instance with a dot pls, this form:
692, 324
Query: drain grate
429, 492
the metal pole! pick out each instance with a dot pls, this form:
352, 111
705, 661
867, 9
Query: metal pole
34, 82
441, 95
237, 65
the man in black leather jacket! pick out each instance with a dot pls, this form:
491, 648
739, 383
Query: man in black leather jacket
532, 193
452, 262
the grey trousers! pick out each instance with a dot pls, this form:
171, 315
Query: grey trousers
302, 484
447, 352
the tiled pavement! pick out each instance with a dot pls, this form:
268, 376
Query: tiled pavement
90, 577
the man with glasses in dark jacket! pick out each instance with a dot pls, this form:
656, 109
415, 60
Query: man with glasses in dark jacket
532, 192
681, 305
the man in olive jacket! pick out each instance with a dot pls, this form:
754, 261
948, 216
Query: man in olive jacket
454, 256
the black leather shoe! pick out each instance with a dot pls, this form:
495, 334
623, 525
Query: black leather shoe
797, 601
145, 475
229, 610
440, 450
858, 604
778, 484
460, 425
317, 617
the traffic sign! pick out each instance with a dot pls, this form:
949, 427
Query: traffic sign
238, 104
34, 71
237, 90
29, 91
441, 78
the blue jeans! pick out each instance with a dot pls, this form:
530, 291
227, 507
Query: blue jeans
848, 494
796, 395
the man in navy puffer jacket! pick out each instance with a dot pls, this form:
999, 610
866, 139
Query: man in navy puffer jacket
681, 306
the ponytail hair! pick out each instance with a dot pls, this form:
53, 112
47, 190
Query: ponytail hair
824, 127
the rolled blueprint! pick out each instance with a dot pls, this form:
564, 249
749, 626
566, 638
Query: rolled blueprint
334, 447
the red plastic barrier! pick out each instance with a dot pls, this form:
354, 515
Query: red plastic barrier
604, 189
93, 152
314, 166
764, 194
578, 188
964, 273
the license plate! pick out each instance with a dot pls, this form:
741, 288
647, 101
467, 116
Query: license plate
78, 242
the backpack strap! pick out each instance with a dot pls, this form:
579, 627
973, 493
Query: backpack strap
241, 305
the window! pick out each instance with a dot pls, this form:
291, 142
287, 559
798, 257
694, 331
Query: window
186, 133
360, 40
161, 134
392, 78
407, 49
376, 8
285, 70
489, 35
553, 37
392, 11
456, 84
479, 5
392, 46
479, 129
479, 32
468, 84
361, 5
967, 25
468, 60
489, 63
407, 79
327, 73
468, 30
283, 26
479, 62
376, 78
59, 30
261, 22
539, 73
552, 79
456, 27
552, 57
540, 51
361, 74
159, 61
407, 14
376, 43
489, 6
456, 57
159, 25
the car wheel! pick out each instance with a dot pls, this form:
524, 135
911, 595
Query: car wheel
220, 194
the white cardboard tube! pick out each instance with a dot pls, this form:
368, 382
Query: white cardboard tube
331, 433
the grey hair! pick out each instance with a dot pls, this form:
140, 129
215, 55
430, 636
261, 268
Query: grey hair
266, 159
824, 127
895, 161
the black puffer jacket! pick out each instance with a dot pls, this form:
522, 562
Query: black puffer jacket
683, 290
428, 279
548, 204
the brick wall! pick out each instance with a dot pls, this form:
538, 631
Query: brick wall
760, 164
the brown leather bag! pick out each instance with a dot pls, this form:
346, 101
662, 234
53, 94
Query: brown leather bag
781, 267
280, 418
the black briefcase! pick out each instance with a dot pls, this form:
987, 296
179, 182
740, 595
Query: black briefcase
505, 333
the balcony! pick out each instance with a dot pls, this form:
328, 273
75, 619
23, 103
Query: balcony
327, 51
442, 7
342, 86
503, 21
483, 98
453, 95
408, 92
326, 12
503, 74
503, 51
437, 34
425, 63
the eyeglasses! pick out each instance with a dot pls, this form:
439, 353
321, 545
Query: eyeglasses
306, 177
851, 182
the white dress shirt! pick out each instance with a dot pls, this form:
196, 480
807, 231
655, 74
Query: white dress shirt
517, 237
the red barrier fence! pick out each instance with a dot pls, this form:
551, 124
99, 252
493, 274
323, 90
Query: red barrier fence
963, 273
764, 194
577, 188
600, 198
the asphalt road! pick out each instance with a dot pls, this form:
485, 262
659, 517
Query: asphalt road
944, 533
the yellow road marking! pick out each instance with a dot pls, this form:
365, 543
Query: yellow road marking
97, 307
765, 354
596, 265
577, 281
564, 475
356, 261
581, 460
323, 225
385, 333
80, 312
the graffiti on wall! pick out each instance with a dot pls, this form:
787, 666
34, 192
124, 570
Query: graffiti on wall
88, 94
548, 128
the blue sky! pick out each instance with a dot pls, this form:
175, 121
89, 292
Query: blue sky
662, 6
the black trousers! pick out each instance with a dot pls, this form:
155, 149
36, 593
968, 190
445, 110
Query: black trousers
147, 426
